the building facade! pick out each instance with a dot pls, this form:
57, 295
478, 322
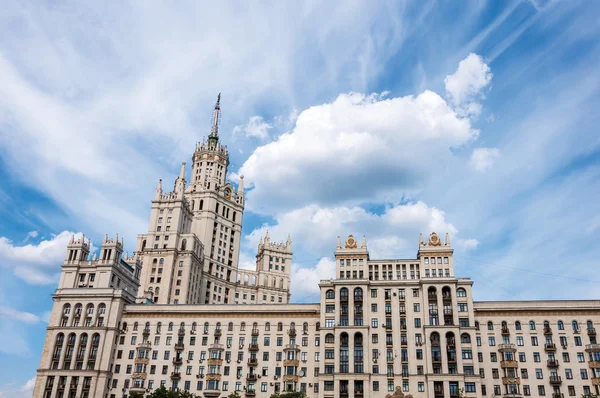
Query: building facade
172, 315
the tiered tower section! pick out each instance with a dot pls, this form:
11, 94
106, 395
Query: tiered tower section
270, 282
85, 320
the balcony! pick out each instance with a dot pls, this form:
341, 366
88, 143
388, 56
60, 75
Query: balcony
436, 359
507, 348
252, 361
291, 347
251, 377
435, 343
591, 331
402, 326
596, 381
511, 380
291, 362
558, 395
505, 332
556, 380
144, 344
594, 364
250, 393
218, 332
592, 347
181, 332
146, 331
175, 376
253, 347
550, 347
509, 364
292, 332
215, 361
219, 347
179, 346
254, 332
177, 361
547, 330
358, 298
552, 363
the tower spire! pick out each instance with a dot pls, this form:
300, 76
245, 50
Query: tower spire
213, 138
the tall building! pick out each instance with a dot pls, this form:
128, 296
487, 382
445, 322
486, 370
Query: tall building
168, 316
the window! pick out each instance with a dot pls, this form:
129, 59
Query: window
491, 340
531, 325
462, 307
490, 325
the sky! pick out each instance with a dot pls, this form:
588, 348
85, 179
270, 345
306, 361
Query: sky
477, 118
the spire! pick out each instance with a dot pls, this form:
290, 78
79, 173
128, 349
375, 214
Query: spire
182, 171
267, 236
420, 239
339, 243
240, 190
364, 242
213, 138
447, 239
158, 194
288, 244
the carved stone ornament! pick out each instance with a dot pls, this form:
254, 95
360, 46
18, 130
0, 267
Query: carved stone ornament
351, 243
434, 240
398, 394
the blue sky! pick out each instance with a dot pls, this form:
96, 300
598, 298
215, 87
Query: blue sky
474, 118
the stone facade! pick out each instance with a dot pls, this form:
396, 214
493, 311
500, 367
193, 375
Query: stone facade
383, 327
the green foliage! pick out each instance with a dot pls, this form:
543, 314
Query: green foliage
290, 394
234, 395
162, 392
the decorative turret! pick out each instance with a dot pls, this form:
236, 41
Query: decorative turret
159, 191
78, 249
240, 191
213, 138
180, 182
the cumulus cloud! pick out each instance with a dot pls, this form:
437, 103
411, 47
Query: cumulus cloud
483, 158
305, 281
21, 316
37, 264
25, 390
464, 87
356, 148
256, 127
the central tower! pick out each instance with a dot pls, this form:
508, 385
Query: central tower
217, 210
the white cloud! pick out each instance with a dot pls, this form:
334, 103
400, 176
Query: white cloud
28, 387
464, 87
139, 100
357, 148
31, 235
21, 316
35, 263
483, 158
26, 390
255, 128
305, 281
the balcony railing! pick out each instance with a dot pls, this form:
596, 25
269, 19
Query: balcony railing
552, 363
555, 380
550, 347
507, 347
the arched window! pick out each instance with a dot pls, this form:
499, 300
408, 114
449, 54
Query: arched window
280, 327
590, 325
504, 325
135, 326
205, 327
147, 327
476, 325
517, 325
60, 338
82, 344
230, 327
66, 309
561, 325
450, 341
218, 327
305, 327
465, 338
531, 325
170, 329
89, 309
344, 294
446, 292
94, 347
293, 326
183, 244
158, 327
358, 293
101, 309
431, 292
329, 338
161, 261
194, 326
156, 292
267, 326
143, 244
255, 326
193, 204
330, 294
344, 356
243, 326
201, 204
318, 326
435, 338
575, 325
461, 292
234, 216
125, 326
181, 327
490, 325
78, 309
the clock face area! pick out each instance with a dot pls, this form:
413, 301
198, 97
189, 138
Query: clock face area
227, 192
